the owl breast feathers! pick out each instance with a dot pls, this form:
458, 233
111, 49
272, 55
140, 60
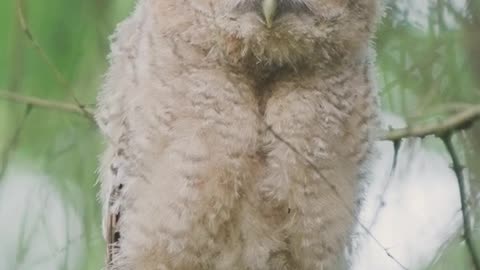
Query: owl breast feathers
238, 133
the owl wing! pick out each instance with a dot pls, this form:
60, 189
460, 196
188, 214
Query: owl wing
114, 165
112, 234
113, 177
112, 121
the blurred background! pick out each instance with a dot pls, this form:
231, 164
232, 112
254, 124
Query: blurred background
55, 50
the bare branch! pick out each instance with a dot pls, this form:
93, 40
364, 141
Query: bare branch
467, 223
44, 56
458, 121
47, 104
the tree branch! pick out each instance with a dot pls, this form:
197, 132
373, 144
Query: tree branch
457, 121
47, 104
44, 56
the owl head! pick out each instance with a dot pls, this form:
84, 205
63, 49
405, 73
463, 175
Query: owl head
277, 33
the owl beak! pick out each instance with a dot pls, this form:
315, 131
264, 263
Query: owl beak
269, 9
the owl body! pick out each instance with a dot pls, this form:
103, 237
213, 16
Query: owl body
232, 144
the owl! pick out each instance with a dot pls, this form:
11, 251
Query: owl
237, 132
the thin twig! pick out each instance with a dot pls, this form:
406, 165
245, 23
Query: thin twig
47, 104
334, 189
62, 80
23, 24
458, 169
458, 121
390, 178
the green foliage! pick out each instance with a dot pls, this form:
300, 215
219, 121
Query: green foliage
74, 36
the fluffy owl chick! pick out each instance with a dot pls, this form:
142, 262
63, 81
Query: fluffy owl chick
237, 133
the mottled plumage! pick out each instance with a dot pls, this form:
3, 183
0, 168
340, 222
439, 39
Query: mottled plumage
212, 112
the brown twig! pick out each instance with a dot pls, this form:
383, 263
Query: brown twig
458, 121
467, 223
